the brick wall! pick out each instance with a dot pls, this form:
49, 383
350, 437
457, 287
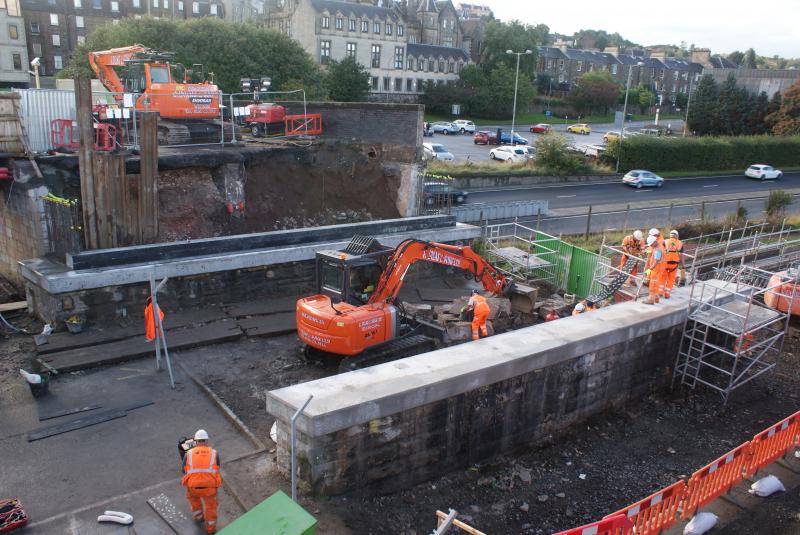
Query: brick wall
22, 231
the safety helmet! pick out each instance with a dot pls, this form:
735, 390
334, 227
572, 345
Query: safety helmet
201, 435
474, 291
637, 234
654, 232
589, 303
580, 307
673, 232
651, 240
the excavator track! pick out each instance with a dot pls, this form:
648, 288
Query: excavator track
190, 132
396, 349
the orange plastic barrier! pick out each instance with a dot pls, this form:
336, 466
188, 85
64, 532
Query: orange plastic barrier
774, 442
716, 479
656, 512
64, 134
617, 525
297, 125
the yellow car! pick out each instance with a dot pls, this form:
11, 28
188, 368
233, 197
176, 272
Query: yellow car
613, 134
582, 128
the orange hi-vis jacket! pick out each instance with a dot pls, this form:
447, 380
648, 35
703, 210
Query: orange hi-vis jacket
673, 248
655, 256
631, 245
149, 320
201, 468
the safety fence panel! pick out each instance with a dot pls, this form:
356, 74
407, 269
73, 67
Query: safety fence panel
715, 479
774, 442
581, 271
39, 107
557, 254
656, 512
617, 525
304, 125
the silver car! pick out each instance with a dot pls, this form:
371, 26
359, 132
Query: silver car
436, 151
445, 128
639, 178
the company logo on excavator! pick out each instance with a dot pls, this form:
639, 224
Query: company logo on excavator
313, 339
440, 258
370, 324
312, 319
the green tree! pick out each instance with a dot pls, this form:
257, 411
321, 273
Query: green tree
681, 99
703, 109
543, 81
501, 36
647, 99
596, 91
347, 80
786, 120
776, 204
554, 154
736, 56
749, 59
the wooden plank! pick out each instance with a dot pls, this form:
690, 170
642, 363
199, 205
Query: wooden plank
67, 412
148, 168
132, 348
270, 325
11, 307
442, 295
260, 307
83, 105
78, 423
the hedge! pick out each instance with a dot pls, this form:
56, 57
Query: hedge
704, 153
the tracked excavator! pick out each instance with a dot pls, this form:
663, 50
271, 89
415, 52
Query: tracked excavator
356, 313
189, 110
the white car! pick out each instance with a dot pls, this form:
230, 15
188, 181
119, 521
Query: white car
436, 151
507, 153
763, 172
465, 127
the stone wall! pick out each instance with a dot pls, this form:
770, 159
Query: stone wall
481, 182
398, 424
23, 232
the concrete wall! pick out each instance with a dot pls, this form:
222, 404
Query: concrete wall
23, 233
482, 182
755, 81
398, 424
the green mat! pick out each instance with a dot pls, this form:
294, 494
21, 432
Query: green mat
277, 515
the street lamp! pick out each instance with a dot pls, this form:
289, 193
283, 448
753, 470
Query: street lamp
688, 103
625, 111
516, 85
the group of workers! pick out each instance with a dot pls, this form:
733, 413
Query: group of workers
663, 261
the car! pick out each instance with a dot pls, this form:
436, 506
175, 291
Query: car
438, 193
654, 132
763, 172
611, 135
436, 151
580, 128
465, 127
530, 152
541, 128
639, 178
507, 153
482, 137
505, 138
442, 127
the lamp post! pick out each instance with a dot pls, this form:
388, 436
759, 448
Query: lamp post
688, 103
625, 112
516, 85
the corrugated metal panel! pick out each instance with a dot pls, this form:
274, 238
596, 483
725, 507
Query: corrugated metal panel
581, 271
471, 213
39, 108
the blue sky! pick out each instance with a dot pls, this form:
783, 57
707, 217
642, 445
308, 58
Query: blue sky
769, 26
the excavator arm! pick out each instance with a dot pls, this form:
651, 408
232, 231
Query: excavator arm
104, 61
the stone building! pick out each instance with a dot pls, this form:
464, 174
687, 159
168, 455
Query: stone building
13, 51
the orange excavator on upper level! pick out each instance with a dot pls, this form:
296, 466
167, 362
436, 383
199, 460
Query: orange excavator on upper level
189, 110
377, 330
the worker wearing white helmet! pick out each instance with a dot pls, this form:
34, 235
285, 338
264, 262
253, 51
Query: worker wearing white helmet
632, 246
654, 270
673, 259
657, 233
580, 308
202, 479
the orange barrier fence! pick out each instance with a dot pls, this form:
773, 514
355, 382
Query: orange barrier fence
715, 479
618, 525
656, 512
774, 442
310, 124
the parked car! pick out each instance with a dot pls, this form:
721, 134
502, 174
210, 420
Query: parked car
482, 137
465, 127
530, 152
655, 132
611, 135
541, 128
507, 153
438, 193
442, 127
505, 138
436, 151
581, 128
763, 172
639, 177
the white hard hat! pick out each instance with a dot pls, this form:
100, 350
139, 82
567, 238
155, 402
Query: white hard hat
654, 232
580, 307
673, 232
651, 240
201, 435
637, 234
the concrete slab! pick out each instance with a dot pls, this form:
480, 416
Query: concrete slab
64, 473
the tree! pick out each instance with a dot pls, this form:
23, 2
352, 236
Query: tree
647, 99
543, 81
347, 80
703, 109
786, 120
596, 91
554, 154
516, 36
736, 56
681, 99
749, 60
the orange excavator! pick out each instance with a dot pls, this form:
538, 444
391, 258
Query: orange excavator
358, 318
189, 110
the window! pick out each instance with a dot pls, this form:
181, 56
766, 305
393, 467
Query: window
351, 25
78, 4
35, 28
214, 9
399, 52
401, 30
613, 68
137, 3
459, 67
37, 50
195, 7
180, 6
387, 83
57, 62
409, 81
376, 27
388, 29
339, 23
450, 67
56, 39
365, 26
79, 21
97, 4
410, 64
398, 85
13, 31
155, 3
561, 65
441, 65
81, 39
166, 4
16, 58
374, 83
579, 66
351, 50
324, 52
53, 19
115, 7
420, 85
326, 23
376, 56
550, 63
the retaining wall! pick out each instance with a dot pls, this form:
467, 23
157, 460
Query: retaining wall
483, 182
23, 231
397, 424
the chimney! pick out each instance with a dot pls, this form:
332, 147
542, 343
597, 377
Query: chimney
701, 56
613, 50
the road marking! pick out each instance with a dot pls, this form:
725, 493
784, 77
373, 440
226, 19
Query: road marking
566, 196
712, 186
644, 191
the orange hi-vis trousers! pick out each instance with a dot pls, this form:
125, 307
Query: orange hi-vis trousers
480, 315
203, 502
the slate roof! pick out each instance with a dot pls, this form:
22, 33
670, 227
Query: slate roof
677, 64
590, 55
447, 52
722, 63
354, 9
550, 52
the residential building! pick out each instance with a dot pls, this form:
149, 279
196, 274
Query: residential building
474, 12
14, 63
770, 81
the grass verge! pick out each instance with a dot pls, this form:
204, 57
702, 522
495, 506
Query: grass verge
491, 168
527, 119
679, 174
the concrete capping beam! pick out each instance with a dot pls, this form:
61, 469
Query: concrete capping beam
56, 278
355, 398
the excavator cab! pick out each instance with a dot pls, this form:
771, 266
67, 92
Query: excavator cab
351, 275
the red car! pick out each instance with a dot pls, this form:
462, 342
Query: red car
541, 128
482, 137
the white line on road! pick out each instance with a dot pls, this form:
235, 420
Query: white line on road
566, 196
644, 191
712, 186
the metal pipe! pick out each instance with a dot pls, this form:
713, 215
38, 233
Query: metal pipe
294, 457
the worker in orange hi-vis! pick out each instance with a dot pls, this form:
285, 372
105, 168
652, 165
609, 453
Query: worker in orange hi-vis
632, 245
480, 313
673, 251
654, 270
150, 326
202, 479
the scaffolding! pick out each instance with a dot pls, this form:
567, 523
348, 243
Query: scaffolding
522, 253
730, 335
